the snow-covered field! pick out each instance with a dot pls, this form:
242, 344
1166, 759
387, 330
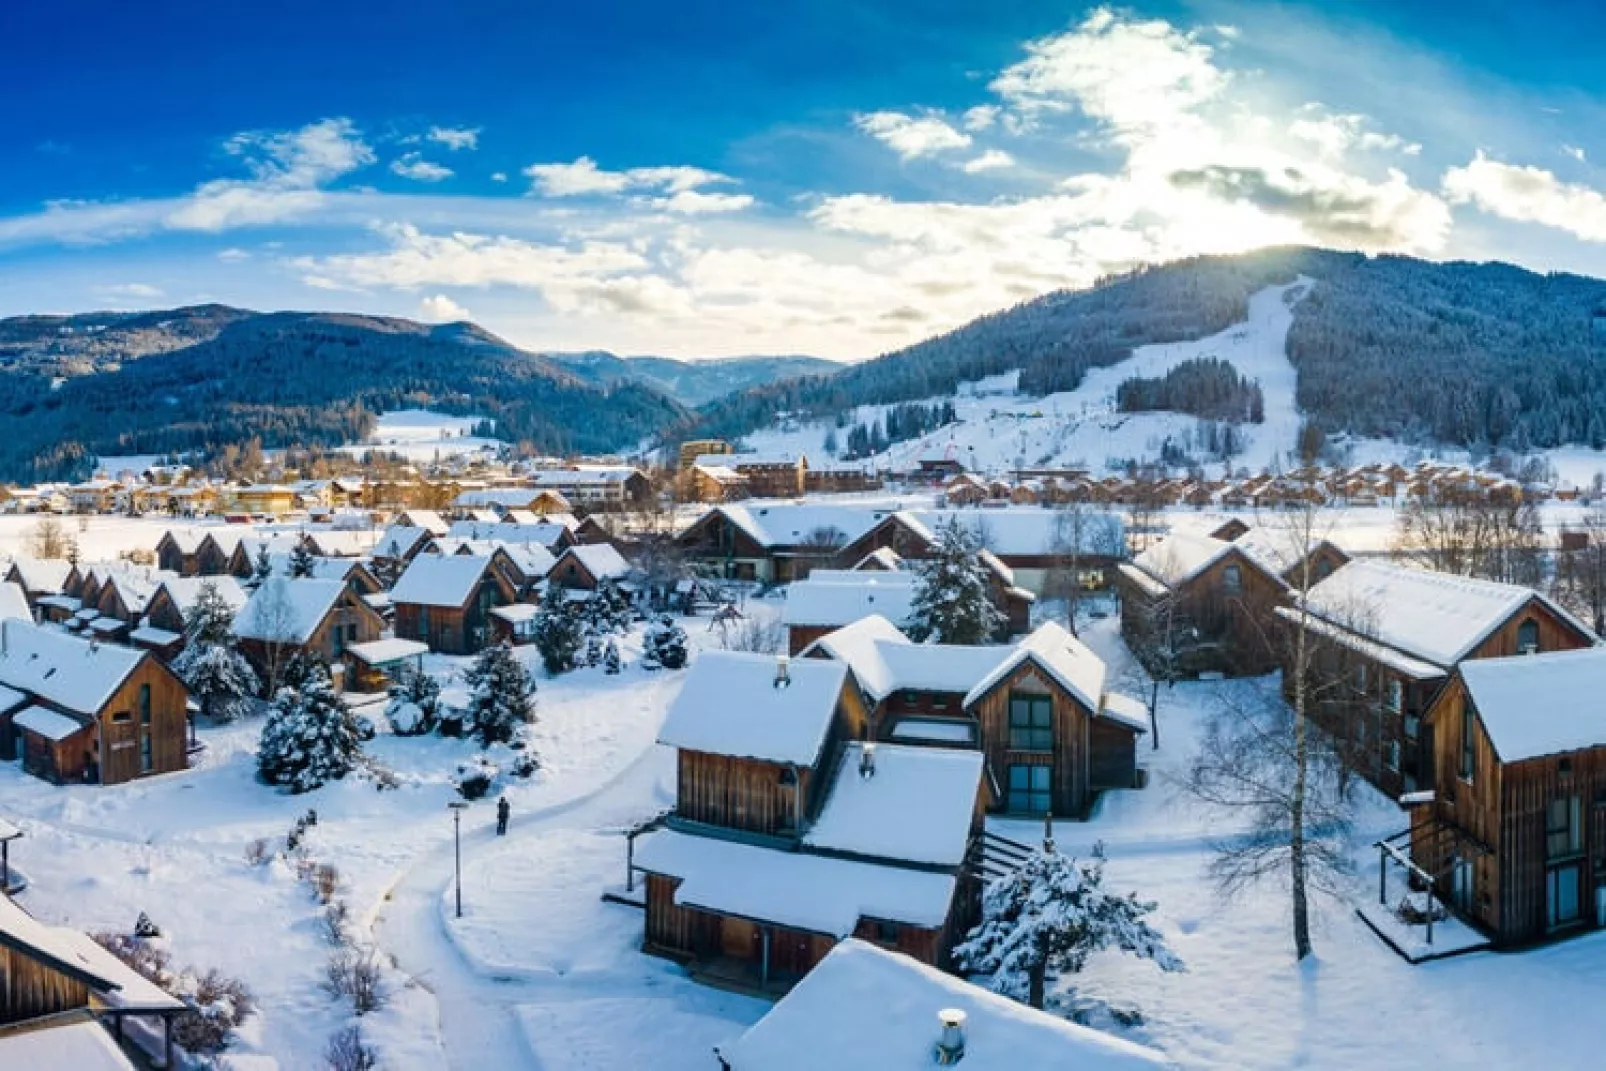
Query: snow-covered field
422, 435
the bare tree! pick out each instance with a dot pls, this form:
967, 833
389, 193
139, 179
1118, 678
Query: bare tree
49, 539
1471, 530
1581, 569
1082, 531
272, 623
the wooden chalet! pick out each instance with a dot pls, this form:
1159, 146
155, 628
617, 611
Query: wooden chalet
376, 665
167, 613
790, 834
1199, 604
773, 544
714, 483
242, 560
1389, 637
402, 543
39, 577
446, 601
264, 500
1052, 734
178, 549
522, 565
214, 556
317, 618
582, 568
82, 711
555, 536
1511, 824
831, 599
64, 1000
767, 475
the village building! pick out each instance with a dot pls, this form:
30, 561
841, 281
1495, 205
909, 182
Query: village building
400, 544
39, 577
168, 611
177, 551
714, 483
768, 475
831, 599
773, 544
1388, 638
264, 500
248, 551
339, 542
445, 601
376, 665
83, 711
1511, 823
316, 618
582, 568
595, 487
215, 554
555, 536
841, 478
58, 987
1040, 711
867, 1009
790, 834
427, 519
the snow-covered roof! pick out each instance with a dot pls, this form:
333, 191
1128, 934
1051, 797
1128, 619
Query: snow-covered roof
791, 525
600, 559
378, 652
1064, 657
402, 537
598, 474
882, 557
1414, 668
884, 660
1030, 531
1181, 556
440, 580
498, 496
427, 519
341, 542
516, 612
1435, 617
154, 637
1274, 550
799, 890
184, 590
1543, 704
11, 699
187, 540
42, 574
47, 723
107, 624
545, 534
845, 597
64, 670
751, 458
730, 704
75, 1045
917, 805
61, 602
14, 602
134, 991
1151, 587
287, 611
866, 1009
1123, 708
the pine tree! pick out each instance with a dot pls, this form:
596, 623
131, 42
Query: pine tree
664, 646
262, 569
414, 707
559, 633
502, 699
610, 659
387, 567
302, 562
209, 665
953, 600
310, 737
593, 650
1050, 915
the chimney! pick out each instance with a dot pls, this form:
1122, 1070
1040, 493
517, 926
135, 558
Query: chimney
783, 671
950, 1048
867, 761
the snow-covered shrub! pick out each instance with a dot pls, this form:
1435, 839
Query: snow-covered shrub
337, 923
593, 652
559, 632
502, 698
607, 609
216, 674
347, 1051
144, 927
256, 851
610, 658
664, 645
525, 762
415, 701
358, 974
326, 880
309, 738
217, 1004
475, 777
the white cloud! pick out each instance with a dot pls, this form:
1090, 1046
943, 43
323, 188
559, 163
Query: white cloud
680, 185
911, 137
572, 180
990, 160
1574, 151
498, 176
981, 117
413, 166
695, 202
233, 255
1529, 195
438, 308
1335, 135
455, 138
142, 291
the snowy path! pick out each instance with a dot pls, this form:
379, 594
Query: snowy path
479, 1021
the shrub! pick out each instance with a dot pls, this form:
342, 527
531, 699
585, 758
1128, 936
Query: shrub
144, 927
326, 879
356, 973
347, 1051
475, 777
218, 1004
256, 851
337, 923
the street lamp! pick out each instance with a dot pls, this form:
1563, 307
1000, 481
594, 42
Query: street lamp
458, 807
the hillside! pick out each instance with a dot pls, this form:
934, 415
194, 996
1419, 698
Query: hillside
194, 379
690, 383
1467, 355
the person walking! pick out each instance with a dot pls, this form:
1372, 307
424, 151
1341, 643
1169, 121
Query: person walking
503, 810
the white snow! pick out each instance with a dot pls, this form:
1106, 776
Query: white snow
422, 435
47, 723
440, 580
14, 602
378, 652
865, 1009
78, 1045
798, 890
185, 590
1062, 656
1180, 557
69, 672
916, 806
287, 611
731, 705
601, 560
844, 597
1542, 704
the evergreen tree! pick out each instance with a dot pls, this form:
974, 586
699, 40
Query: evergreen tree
610, 659
210, 666
262, 569
593, 649
559, 632
302, 562
953, 600
1050, 915
502, 699
387, 567
310, 737
664, 646
414, 707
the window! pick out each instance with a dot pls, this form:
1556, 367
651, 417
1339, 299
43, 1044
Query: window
1563, 828
1561, 895
1360, 678
1391, 755
122, 717
1469, 716
1528, 636
1232, 579
144, 704
1394, 695
886, 932
146, 758
1030, 789
1031, 723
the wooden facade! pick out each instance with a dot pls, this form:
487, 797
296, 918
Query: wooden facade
464, 629
142, 730
32, 987
1016, 756
1226, 610
349, 620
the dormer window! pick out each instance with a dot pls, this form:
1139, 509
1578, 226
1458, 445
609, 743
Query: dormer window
1528, 637
1232, 579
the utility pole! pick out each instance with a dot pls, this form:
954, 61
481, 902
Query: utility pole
458, 807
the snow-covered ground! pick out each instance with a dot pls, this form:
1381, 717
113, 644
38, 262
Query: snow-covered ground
423, 435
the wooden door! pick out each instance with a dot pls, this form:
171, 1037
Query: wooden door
738, 938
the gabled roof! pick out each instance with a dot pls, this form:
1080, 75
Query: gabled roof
1435, 617
427, 519
866, 1009
916, 806
545, 534
287, 611
43, 574
1032, 530
1181, 556
1276, 551
402, 537
184, 590
13, 602
447, 580
838, 598
730, 705
76, 674
884, 660
788, 525
187, 540
1544, 704
341, 542
77, 1044
1065, 658
601, 560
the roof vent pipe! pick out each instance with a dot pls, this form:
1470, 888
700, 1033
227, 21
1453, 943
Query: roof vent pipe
867, 761
783, 671
950, 1048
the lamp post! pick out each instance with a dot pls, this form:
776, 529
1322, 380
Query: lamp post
458, 807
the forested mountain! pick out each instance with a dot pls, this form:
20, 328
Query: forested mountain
1206, 387
1457, 353
291, 379
691, 382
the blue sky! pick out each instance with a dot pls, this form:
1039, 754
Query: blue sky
715, 178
